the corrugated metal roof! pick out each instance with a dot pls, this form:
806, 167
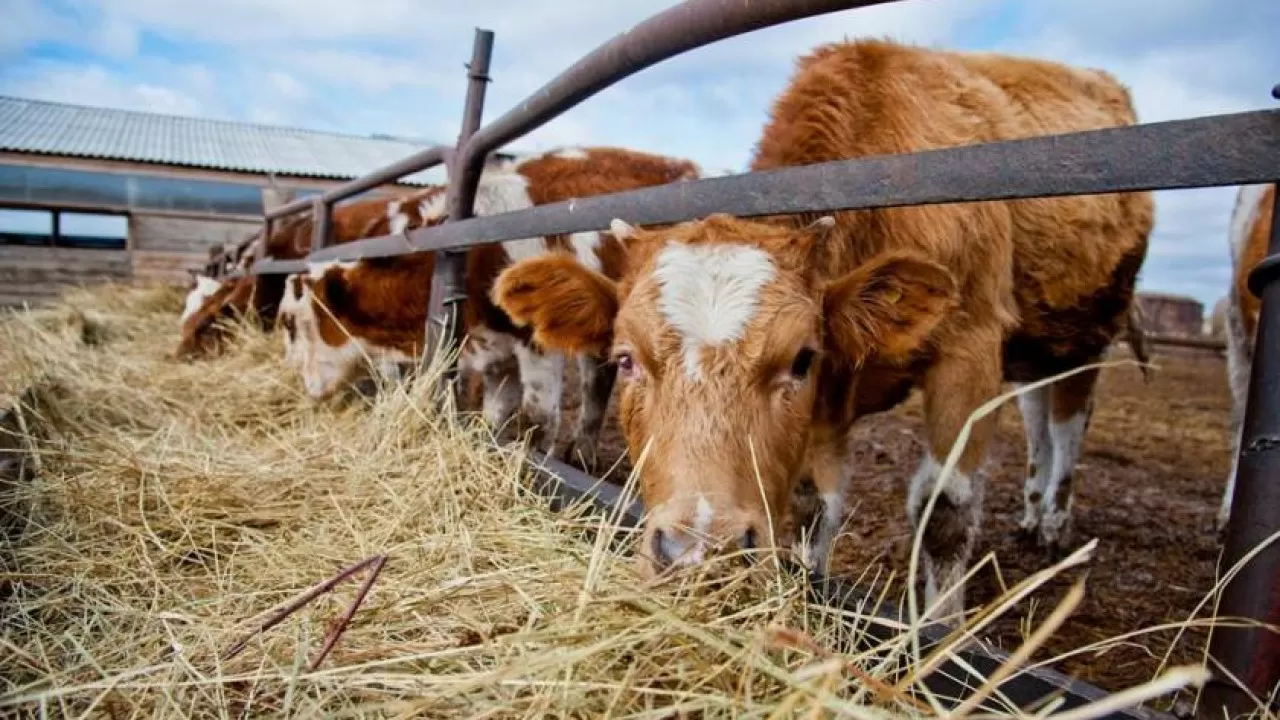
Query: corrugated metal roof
39, 126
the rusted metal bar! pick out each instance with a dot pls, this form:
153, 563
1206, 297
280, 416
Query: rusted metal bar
950, 682
322, 227
448, 287
293, 207
689, 25
1252, 654
417, 162
1211, 151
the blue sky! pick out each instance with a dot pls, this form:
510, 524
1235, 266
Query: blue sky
395, 66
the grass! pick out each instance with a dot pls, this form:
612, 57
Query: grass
179, 505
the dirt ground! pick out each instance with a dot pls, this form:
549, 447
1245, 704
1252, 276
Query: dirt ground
1147, 487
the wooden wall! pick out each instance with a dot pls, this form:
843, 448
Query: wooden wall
38, 274
163, 247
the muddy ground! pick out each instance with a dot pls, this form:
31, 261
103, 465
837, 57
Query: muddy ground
1147, 487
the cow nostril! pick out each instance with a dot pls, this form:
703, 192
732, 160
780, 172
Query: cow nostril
659, 549
748, 544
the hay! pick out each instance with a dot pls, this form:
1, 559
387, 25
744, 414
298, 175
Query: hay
179, 504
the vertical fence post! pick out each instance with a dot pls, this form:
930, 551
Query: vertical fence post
321, 228
1251, 654
448, 285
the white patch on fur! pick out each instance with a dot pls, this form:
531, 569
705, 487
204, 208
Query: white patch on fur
709, 293
433, 208
584, 248
571, 153
204, 289
703, 514
1034, 406
316, 270
502, 191
1248, 206
1068, 439
395, 218
959, 487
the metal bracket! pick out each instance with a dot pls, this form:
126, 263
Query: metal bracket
1264, 273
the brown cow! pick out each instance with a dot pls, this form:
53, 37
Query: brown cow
376, 309
211, 300
1250, 232
748, 349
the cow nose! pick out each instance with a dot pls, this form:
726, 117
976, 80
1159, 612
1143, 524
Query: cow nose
677, 548
672, 547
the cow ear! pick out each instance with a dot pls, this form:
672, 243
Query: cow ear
570, 308
887, 307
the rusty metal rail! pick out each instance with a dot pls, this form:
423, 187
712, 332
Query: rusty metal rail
1202, 152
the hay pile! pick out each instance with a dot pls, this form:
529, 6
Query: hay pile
178, 505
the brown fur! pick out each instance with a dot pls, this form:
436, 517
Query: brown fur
983, 292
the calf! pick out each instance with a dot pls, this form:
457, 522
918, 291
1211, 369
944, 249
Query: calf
1251, 220
376, 309
211, 300
746, 350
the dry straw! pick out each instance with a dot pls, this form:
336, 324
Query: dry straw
179, 506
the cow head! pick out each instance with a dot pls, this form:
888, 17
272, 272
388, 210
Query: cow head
209, 302
722, 331
340, 316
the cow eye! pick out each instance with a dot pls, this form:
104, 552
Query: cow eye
802, 364
627, 366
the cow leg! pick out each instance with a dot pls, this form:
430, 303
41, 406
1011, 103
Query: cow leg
956, 385
821, 522
1034, 406
1071, 411
542, 375
597, 377
491, 356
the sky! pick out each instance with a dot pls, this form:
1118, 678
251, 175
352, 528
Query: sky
396, 67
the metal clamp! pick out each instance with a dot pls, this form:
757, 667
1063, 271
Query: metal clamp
1265, 272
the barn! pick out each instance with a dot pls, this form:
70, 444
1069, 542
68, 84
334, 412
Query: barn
88, 193
1168, 314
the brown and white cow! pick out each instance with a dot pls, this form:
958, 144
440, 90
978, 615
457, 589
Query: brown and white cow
210, 300
350, 312
746, 350
1250, 232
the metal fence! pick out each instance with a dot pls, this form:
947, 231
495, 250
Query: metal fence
1221, 150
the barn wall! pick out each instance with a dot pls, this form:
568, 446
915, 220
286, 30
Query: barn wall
38, 274
1171, 314
163, 247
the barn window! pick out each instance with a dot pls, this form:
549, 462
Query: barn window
26, 227
93, 231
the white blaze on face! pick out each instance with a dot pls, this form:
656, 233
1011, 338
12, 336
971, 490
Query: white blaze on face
709, 293
324, 367
204, 289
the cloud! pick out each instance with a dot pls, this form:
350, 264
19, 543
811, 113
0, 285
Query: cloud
392, 66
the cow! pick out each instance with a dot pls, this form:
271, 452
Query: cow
211, 300
375, 309
1249, 234
746, 349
